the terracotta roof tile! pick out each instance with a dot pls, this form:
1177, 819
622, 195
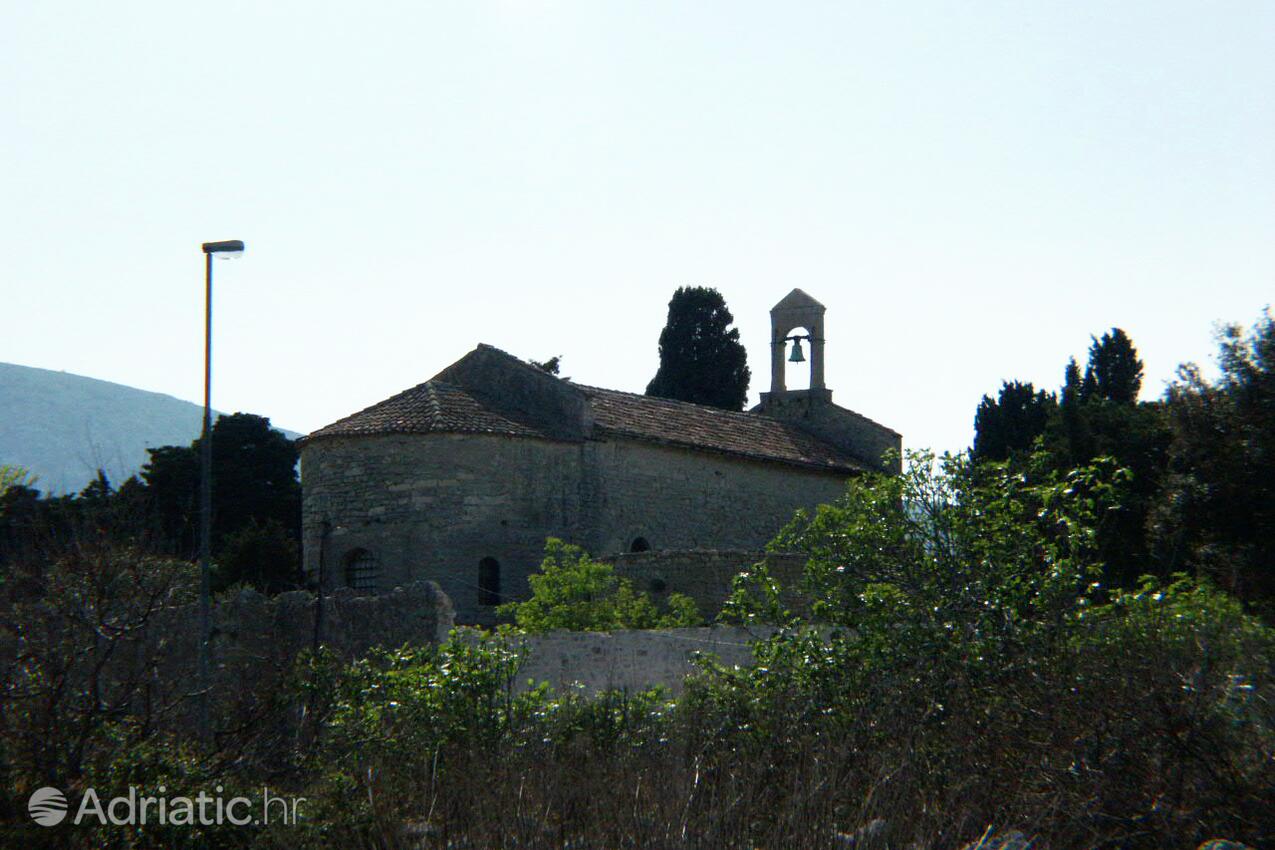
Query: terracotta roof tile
698, 426
433, 406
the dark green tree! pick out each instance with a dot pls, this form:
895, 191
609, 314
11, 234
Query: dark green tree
261, 555
1094, 416
701, 357
171, 477
1114, 372
254, 481
1217, 513
1011, 423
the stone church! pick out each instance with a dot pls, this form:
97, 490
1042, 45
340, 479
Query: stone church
460, 479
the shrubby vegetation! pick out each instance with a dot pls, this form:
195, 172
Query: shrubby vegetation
572, 591
968, 668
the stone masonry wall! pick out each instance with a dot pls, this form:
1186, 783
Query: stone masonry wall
706, 575
431, 507
628, 660
255, 642
679, 499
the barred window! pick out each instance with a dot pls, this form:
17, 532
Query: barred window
488, 582
361, 570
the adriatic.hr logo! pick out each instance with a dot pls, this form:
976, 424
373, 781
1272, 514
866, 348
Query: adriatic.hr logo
47, 806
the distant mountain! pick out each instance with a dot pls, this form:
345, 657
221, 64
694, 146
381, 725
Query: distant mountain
65, 427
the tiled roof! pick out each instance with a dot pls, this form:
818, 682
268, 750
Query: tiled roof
438, 406
698, 426
433, 406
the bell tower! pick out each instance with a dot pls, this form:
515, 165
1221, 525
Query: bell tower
796, 319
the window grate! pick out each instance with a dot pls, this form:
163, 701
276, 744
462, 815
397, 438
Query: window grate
361, 570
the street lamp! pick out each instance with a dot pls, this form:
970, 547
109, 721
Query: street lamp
225, 250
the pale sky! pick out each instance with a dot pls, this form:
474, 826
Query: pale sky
971, 188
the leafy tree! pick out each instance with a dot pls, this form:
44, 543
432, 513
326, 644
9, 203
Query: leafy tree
1011, 423
573, 591
949, 542
171, 477
254, 480
701, 357
1217, 515
261, 555
1114, 372
963, 618
1095, 416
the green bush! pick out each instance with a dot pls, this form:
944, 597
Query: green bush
573, 591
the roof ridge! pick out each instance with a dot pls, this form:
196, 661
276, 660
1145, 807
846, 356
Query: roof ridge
531, 367
691, 404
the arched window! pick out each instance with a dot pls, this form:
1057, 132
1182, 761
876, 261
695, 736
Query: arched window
361, 570
639, 544
489, 582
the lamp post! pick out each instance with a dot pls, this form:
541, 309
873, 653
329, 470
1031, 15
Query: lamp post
225, 250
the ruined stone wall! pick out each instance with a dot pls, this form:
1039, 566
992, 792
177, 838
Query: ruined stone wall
247, 623
255, 643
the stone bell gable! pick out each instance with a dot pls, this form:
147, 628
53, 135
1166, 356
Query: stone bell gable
460, 479
812, 409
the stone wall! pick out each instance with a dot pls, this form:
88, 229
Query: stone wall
678, 499
433, 506
706, 575
853, 432
350, 623
628, 660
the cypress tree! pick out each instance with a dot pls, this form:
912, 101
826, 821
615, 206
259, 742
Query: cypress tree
701, 357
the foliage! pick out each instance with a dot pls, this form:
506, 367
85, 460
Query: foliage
1093, 417
967, 672
701, 357
261, 555
974, 670
75, 655
1011, 423
1217, 515
960, 550
14, 476
256, 508
254, 480
1114, 372
573, 591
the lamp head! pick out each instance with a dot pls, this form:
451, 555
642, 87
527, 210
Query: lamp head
226, 250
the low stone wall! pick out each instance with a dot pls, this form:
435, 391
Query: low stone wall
629, 660
705, 575
350, 623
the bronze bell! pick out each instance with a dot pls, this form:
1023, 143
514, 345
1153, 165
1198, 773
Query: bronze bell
796, 356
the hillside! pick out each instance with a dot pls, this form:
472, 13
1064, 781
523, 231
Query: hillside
63, 427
